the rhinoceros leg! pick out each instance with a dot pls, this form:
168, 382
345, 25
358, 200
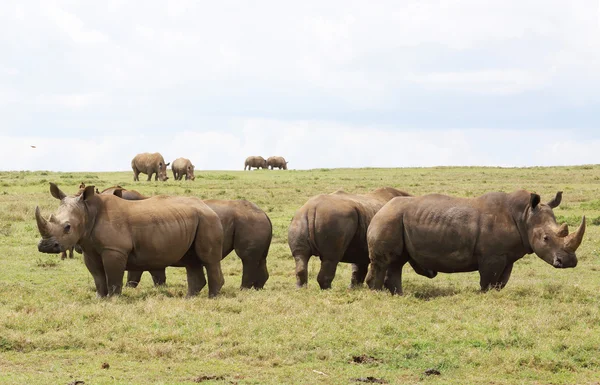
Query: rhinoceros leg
491, 271
159, 277
134, 278
327, 273
393, 278
249, 271
136, 174
505, 276
359, 272
196, 279
376, 275
301, 269
114, 263
94, 266
262, 274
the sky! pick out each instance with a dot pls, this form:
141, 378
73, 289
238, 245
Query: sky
323, 83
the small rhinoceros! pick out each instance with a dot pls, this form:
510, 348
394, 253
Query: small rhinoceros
115, 234
277, 161
449, 235
255, 161
149, 163
183, 167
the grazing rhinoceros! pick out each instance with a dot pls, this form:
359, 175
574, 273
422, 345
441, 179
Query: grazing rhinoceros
181, 167
334, 227
149, 163
450, 235
246, 229
116, 235
277, 161
130, 195
255, 161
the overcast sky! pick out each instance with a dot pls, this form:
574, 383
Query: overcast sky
322, 83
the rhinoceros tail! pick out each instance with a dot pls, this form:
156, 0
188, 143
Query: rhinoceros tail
311, 218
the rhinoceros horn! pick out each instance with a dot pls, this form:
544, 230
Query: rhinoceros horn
41, 222
573, 240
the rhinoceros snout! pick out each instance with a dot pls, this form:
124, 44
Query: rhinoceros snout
563, 262
49, 246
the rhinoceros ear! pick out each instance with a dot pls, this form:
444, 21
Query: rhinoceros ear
87, 193
556, 200
534, 200
56, 192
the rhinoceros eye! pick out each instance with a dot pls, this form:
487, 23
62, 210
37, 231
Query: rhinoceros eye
545, 238
67, 228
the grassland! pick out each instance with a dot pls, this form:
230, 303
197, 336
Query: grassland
543, 328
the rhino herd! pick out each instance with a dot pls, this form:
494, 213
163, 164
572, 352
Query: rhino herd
120, 230
154, 164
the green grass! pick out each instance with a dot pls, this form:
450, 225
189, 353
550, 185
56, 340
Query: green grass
543, 328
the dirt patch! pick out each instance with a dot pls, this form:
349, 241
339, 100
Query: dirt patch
211, 378
432, 372
370, 380
364, 359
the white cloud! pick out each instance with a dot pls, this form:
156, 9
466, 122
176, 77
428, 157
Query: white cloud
489, 81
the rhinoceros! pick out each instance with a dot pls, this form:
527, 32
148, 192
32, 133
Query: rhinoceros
448, 234
181, 167
334, 227
116, 234
277, 161
246, 229
149, 163
255, 161
130, 195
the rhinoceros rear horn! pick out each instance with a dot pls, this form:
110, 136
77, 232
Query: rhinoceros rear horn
563, 230
56, 192
556, 200
41, 222
573, 241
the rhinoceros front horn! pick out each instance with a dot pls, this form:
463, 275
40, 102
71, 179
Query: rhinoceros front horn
41, 222
573, 240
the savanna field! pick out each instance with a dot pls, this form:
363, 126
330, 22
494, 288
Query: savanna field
543, 328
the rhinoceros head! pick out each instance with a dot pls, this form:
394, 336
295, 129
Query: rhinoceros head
190, 172
66, 226
549, 241
162, 171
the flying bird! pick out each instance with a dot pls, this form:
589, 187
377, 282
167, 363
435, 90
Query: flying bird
33, 147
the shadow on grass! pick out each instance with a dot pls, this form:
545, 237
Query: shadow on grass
427, 291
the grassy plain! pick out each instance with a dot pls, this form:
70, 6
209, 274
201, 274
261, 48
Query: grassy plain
543, 328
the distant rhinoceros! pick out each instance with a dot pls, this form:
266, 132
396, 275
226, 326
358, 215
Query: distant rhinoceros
450, 235
334, 227
277, 161
246, 229
116, 234
181, 167
149, 163
255, 161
